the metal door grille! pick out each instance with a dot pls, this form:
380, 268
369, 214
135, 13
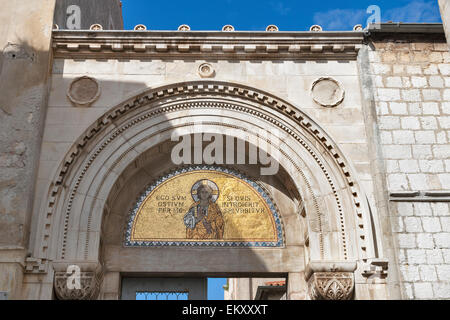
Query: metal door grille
162, 295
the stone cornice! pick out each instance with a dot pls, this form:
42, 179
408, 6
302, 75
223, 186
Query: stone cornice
420, 196
399, 27
207, 44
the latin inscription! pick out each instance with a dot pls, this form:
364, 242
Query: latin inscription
205, 206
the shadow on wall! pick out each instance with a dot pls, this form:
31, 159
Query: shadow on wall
65, 121
22, 68
23, 94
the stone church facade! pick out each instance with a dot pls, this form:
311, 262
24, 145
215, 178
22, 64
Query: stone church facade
358, 123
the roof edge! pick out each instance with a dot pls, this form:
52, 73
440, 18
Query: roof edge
400, 27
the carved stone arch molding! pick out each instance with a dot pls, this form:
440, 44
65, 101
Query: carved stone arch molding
71, 218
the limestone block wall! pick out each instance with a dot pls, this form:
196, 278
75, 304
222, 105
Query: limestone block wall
423, 233
412, 99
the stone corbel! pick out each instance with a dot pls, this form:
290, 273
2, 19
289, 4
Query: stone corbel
330, 280
375, 271
77, 280
36, 265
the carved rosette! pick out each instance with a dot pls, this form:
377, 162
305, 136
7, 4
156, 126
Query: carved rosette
96, 27
316, 28
272, 28
86, 287
140, 27
206, 70
228, 28
331, 285
184, 27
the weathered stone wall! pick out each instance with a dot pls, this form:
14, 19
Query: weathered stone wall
25, 34
411, 81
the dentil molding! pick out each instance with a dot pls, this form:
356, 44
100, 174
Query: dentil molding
209, 44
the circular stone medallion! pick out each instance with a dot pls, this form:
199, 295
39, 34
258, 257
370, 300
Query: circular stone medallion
83, 91
327, 92
206, 70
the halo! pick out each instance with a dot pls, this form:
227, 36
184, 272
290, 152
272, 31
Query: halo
211, 184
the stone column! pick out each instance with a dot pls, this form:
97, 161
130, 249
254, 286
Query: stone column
25, 36
444, 6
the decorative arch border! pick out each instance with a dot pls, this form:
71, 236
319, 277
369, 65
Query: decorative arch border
211, 104
263, 193
206, 87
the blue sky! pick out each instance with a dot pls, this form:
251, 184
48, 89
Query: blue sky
288, 15
255, 15
215, 288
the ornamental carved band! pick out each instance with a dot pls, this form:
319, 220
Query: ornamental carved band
87, 287
331, 285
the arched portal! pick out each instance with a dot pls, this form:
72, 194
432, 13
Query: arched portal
326, 228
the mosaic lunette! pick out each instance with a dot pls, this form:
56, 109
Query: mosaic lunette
204, 206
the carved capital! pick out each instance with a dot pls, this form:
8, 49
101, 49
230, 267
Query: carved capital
330, 280
331, 286
77, 281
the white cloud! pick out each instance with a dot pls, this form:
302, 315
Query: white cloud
416, 11
339, 19
280, 8
344, 19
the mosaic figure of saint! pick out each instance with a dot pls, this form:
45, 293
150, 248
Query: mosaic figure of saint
204, 220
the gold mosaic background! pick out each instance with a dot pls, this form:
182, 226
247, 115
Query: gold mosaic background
246, 215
